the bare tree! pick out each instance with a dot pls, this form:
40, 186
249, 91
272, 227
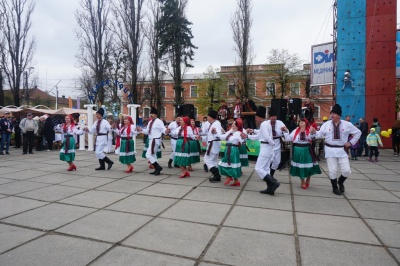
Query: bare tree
284, 68
95, 39
241, 23
17, 48
128, 29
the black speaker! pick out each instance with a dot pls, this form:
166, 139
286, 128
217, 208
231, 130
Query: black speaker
280, 106
295, 106
185, 110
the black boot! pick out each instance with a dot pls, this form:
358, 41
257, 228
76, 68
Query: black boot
102, 165
157, 169
272, 174
109, 162
205, 167
170, 163
216, 176
340, 183
271, 185
335, 187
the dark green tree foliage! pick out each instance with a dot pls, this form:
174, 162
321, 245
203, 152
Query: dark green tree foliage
176, 47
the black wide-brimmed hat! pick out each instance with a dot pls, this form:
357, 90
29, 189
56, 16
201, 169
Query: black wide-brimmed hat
337, 109
100, 112
212, 113
154, 110
272, 112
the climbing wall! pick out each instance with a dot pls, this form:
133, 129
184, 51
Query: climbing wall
380, 71
351, 47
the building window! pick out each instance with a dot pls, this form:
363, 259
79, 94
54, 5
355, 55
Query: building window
193, 91
315, 90
231, 90
163, 92
295, 88
252, 89
146, 112
146, 93
271, 88
316, 112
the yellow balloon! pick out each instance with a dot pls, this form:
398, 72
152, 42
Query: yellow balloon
389, 131
385, 134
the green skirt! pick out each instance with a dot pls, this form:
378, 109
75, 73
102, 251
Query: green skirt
244, 156
182, 156
234, 169
70, 155
194, 151
146, 146
302, 164
124, 156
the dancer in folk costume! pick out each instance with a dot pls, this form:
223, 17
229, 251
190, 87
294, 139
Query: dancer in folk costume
182, 152
155, 128
336, 133
230, 165
213, 145
118, 125
203, 132
127, 148
146, 146
69, 131
101, 127
276, 126
304, 160
244, 156
194, 145
172, 126
264, 160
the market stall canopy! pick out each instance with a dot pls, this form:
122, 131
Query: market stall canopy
68, 111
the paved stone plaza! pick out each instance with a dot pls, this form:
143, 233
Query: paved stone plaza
49, 216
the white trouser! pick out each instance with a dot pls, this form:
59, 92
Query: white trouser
343, 163
276, 158
101, 143
173, 146
211, 160
262, 165
152, 157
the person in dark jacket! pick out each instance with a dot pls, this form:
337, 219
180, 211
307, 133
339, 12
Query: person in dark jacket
17, 132
250, 106
6, 129
363, 139
48, 132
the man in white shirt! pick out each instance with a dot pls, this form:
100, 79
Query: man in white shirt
264, 160
336, 133
172, 126
155, 128
213, 145
276, 126
101, 127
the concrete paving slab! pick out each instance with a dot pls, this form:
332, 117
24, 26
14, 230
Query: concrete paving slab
114, 173
355, 175
54, 250
356, 183
125, 186
376, 171
95, 199
3, 196
52, 193
12, 236
327, 252
256, 199
105, 225
19, 187
22, 175
5, 181
267, 220
396, 193
387, 231
217, 195
388, 178
319, 205
315, 191
55, 178
377, 210
146, 177
334, 227
260, 185
244, 247
166, 190
142, 204
14, 205
49, 217
191, 181
173, 237
130, 256
392, 186
88, 182
396, 253
368, 194
200, 212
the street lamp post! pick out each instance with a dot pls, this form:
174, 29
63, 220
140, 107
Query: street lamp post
26, 73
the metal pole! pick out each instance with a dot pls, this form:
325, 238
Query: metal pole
56, 98
26, 87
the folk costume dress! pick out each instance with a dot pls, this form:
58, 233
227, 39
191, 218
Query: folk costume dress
244, 156
230, 164
182, 151
127, 148
146, 146
67, 152
304, 161
194, 147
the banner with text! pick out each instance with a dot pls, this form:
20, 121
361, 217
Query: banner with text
322, 64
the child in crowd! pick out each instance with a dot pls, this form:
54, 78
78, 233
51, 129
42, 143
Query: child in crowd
354, 149
373, 141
